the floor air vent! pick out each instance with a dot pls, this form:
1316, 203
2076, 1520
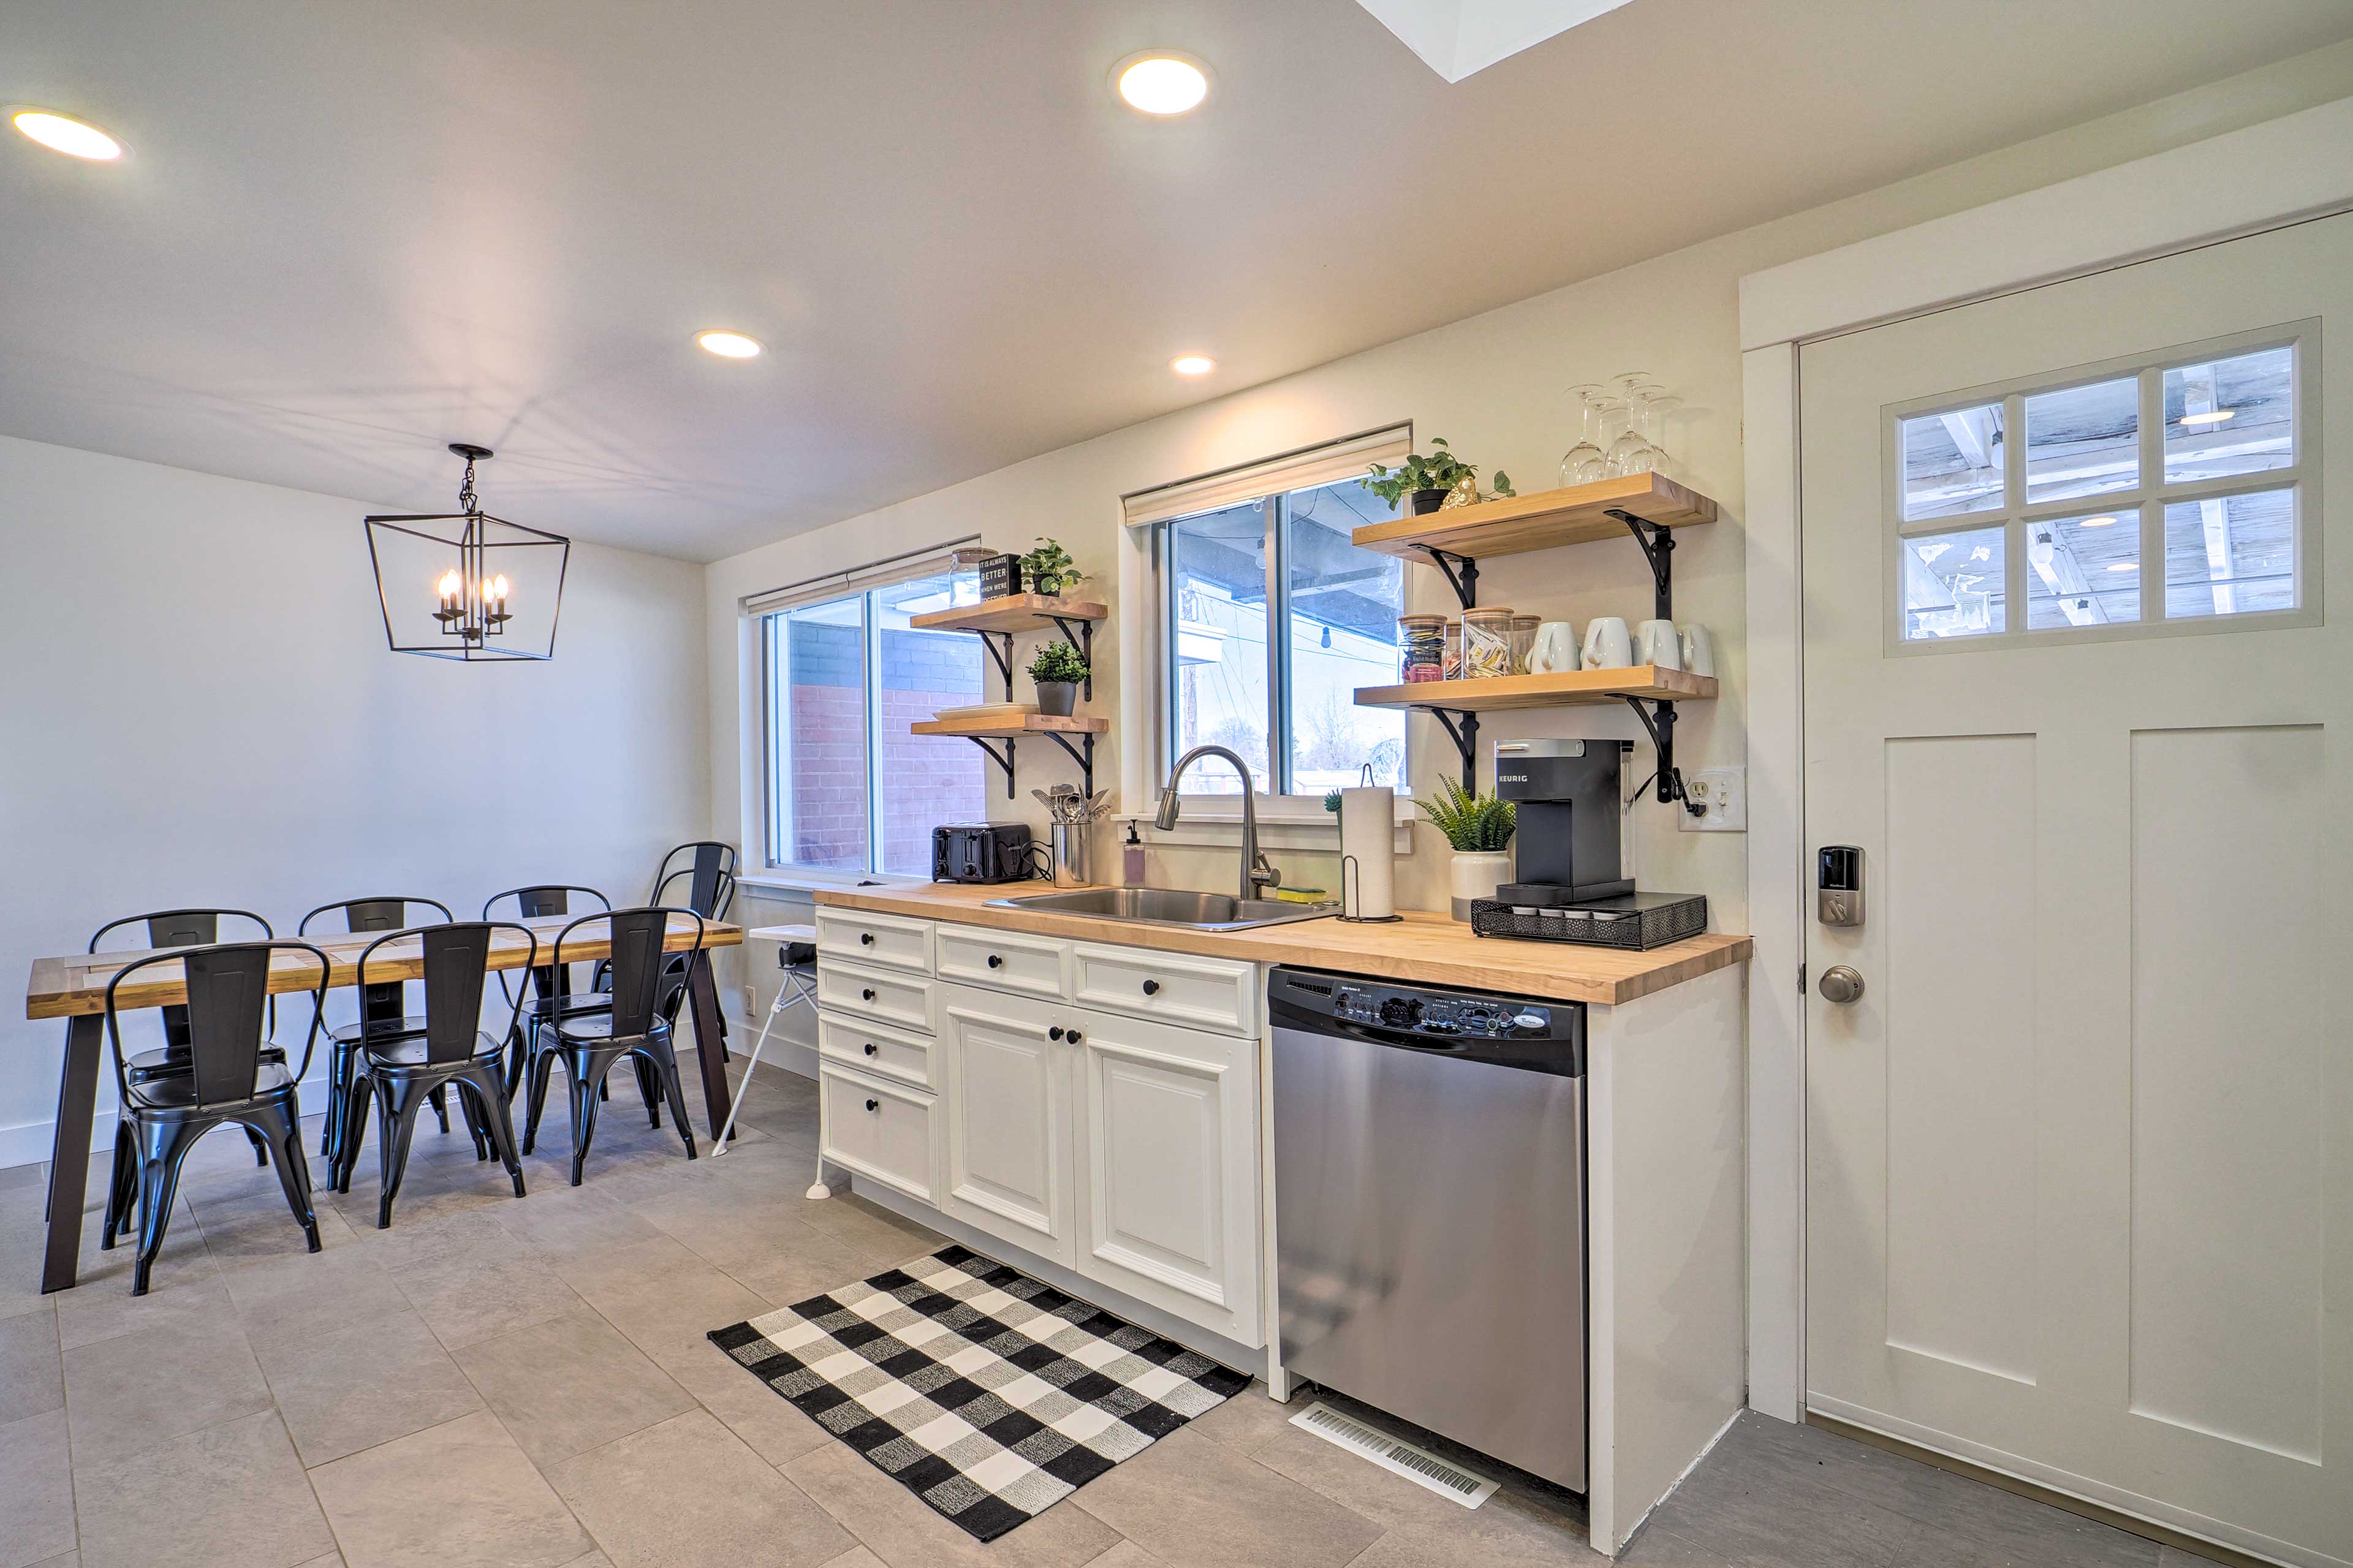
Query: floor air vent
1414, 1464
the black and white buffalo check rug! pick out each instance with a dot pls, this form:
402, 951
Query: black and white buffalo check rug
990, 1395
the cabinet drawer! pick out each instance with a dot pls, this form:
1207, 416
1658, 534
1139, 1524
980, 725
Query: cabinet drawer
892, 940
1198, 992
1004, 960
877, 1129
901, 999
886, 1052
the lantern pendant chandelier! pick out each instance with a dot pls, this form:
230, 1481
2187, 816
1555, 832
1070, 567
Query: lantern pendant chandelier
443, 579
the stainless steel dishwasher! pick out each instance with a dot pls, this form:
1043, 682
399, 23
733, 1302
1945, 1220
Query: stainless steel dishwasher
1430, 1208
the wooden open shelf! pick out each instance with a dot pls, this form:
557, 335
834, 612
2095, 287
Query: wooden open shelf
1004, 729
1013, 612
1574, 687
1508, 526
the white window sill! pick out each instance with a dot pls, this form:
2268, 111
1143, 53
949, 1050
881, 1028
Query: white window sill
1222, 829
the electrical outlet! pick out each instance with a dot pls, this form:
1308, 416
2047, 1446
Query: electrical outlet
750, 1000
1723, 792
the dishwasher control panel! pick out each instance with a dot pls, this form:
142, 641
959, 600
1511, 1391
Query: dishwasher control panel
1493, 1017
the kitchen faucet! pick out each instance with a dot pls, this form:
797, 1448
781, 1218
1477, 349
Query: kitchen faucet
1256, 872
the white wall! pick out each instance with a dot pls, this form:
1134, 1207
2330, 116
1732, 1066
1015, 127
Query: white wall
1493, 384
201, 710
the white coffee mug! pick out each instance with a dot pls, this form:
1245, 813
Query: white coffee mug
1607, 644
1658, 645
1699, 649
1554, 650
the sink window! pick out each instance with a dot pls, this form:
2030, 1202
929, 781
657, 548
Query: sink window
1270, 619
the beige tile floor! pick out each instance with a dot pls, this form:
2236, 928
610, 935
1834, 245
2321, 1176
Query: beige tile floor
526, 1384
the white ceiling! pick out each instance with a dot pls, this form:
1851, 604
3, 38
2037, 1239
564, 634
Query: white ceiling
350, 233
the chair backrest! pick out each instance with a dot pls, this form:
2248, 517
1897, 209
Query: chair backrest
228, 987
181, 928
711, 874
378, 1003
538, 903
639, 937
457, 957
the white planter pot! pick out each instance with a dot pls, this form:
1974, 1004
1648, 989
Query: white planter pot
1476, 874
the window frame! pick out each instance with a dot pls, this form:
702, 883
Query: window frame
2145, 501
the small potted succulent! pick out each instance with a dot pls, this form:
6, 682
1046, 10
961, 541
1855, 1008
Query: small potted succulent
1478, 827
1422, 484
1056, 672
1048, 569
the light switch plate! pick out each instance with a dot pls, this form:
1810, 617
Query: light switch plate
1725, 793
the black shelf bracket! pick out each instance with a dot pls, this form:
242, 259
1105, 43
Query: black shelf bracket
1083, 754
1659, 719
1000, 652
1466, 740
1658, 543
1078, 634
1461, 574
1004, 762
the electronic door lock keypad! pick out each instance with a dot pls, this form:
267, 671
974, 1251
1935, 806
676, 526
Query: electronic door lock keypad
1837, 886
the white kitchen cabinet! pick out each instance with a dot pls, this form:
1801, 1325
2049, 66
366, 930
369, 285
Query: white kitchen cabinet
880, 1129
1004, 960
904, 1000
1196, 993
1006, 1090
861, 936
1167, 1152
870, 1047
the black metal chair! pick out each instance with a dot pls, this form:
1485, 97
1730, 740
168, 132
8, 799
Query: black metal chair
451, 1050
179, 928
635, 1027
384, 1015
710, 893
230, 1079
547, 992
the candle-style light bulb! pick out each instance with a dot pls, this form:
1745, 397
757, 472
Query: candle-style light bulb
499, 588
451, 583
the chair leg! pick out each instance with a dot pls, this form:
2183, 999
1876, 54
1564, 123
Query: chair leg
648, 1089
163, 1145
541, 1065
354, 1128
489, 1101
586, 1082
261, 1147
397, 1105
441, 1097
340, 1059
283, 1126
665, 1067
122, 1186
470, 1115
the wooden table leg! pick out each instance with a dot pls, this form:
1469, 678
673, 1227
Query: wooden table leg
70, 1151
703, 993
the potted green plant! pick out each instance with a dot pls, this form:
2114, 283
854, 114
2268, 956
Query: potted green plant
1479, 828
1056, 672
1420, 483
1048, 569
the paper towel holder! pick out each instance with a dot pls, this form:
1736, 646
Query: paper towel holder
1348, 896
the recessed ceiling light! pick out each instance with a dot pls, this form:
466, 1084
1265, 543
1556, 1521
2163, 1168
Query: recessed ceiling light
1160, 83
729, 345
2096, 522
1193, 365
2124, 565
63, 133
2213, 417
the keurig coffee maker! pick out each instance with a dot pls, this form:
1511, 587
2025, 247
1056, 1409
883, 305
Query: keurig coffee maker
1570, 884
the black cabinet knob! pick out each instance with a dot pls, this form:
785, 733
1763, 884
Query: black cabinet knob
872, 1047
873, 1105
868, 993
1055, 1032
1075, 1037
1152, 988
866, 938
995, 962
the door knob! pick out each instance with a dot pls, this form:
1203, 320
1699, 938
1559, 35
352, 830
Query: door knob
1841, 985
995, 962
1152, 988
872, 1047
873, 1105
1055, 1032
868, 993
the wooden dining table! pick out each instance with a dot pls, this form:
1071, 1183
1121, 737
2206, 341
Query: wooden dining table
74, 988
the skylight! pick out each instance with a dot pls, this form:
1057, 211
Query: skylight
1456, 37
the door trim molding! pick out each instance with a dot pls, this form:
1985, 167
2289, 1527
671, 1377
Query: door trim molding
2265, 177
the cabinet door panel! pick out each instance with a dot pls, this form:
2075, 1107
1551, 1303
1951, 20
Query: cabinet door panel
1007, 1119
1170, 1147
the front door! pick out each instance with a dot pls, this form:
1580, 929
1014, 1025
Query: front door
2080, 1153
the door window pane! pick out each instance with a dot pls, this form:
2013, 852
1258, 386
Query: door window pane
1217, 566
1345, 603
2230, 417
1952, 462
2233, 555
2083, 571
820, 674
1953, 585
2082, 440
922, 781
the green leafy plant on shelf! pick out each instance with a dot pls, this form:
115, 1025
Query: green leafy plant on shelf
1048, 569
1440, 470
1472, 823
1058, 661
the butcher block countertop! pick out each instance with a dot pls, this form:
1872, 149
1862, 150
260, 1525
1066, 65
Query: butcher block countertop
1422, 948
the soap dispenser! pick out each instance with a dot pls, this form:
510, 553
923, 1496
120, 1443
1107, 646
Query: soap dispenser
1132, 859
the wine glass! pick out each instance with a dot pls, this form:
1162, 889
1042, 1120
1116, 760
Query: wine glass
1649, 457
1625, 454
1584, 462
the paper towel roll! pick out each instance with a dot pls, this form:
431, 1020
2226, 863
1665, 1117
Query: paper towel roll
1367, 858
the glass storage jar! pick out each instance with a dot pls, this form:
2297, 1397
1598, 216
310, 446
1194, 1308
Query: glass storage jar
1486, 642
1423, 639
1523, 642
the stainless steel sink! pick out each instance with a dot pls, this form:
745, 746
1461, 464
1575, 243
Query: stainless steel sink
1169, 906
